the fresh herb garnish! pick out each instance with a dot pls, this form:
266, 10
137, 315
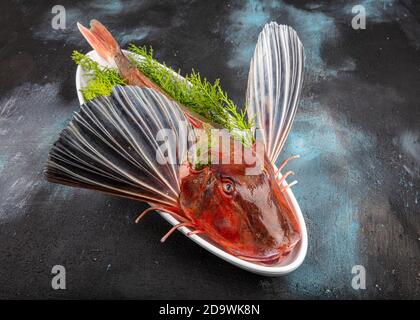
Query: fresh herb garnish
101, 79
194, 92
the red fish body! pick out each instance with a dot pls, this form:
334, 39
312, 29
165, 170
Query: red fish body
111, 146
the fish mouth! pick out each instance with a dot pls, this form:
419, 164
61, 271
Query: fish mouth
272, 258
276, 255
275, 258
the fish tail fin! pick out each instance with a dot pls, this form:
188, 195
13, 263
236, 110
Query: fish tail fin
100, 39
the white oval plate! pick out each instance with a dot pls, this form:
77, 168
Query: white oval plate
293, 260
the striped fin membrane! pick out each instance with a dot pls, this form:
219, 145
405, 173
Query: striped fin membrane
110, 145
274, 84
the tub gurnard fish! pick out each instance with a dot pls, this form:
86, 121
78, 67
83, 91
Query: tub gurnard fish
111, 146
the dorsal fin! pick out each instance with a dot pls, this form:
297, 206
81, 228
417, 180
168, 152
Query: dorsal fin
274, 84
111, 145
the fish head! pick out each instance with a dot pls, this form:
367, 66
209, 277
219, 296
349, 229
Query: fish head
246, 214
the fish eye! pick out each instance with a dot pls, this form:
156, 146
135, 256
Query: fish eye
228, 186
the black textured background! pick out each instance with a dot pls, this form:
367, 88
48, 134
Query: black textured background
357, 131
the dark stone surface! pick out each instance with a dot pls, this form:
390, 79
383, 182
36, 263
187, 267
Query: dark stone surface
357, 131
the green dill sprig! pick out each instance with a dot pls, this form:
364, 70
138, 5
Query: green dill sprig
194, 92
101, 79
